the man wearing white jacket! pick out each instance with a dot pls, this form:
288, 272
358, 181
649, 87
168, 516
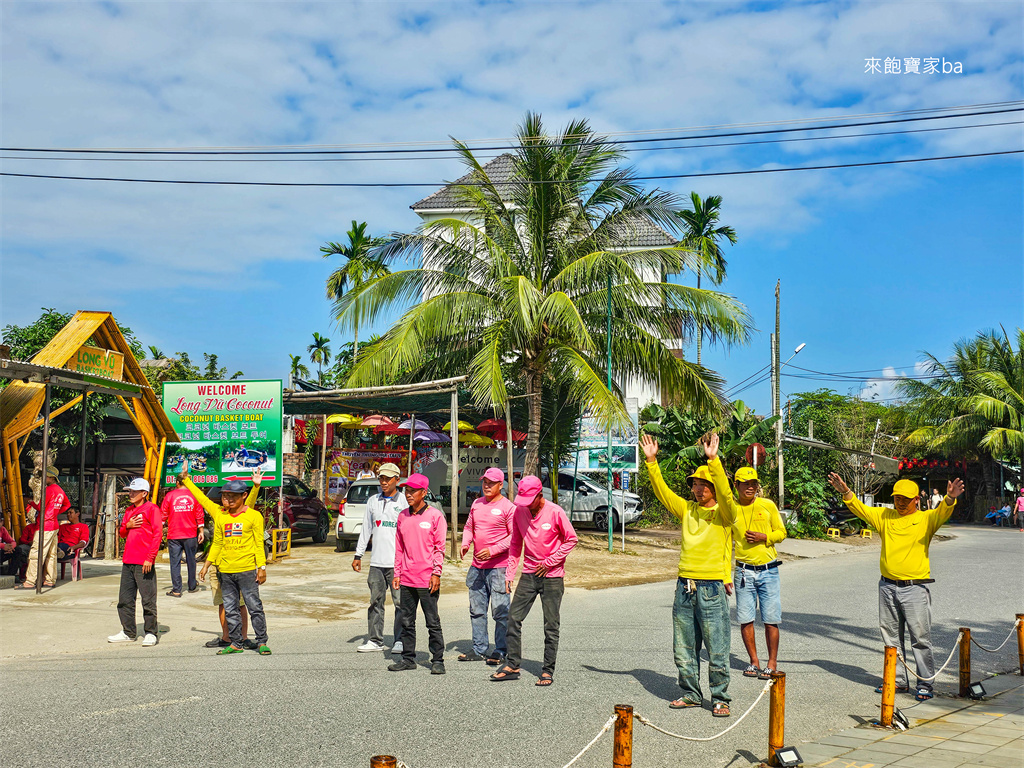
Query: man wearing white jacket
379, 522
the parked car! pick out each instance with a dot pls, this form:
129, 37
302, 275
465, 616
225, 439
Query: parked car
304, 513
591, 501
351, 511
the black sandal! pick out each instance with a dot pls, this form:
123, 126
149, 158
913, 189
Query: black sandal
505, 673
546, 679
471, 656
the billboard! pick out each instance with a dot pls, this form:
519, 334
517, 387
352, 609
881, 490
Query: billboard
344, 466
593, 453
227, 430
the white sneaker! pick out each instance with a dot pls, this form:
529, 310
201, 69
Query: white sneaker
371, 647
149, 640
120, 637
397, 647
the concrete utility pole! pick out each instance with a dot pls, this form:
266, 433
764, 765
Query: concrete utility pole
777, 404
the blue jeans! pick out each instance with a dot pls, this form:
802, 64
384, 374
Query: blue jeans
758, 589
487, 586
175, 548
701, 618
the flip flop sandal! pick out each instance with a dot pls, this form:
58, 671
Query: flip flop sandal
471, 656
172, 593
546, 679
494, 661
503, 674
720, 709
24, 586
766, 673
264, 650
923, 694
230, 649
751, 671
49, 584
683, 704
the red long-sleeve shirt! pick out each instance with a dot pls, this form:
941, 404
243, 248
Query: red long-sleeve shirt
142, 543
56, 502
28, 533
184, 515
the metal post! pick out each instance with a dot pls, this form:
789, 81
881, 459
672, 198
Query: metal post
1020, 642
412, 435
81, 456
455, 472
778, 396
383, 761
965, 663
611, 502
509, 455
888, 685
622, 747
776, 717
41, 514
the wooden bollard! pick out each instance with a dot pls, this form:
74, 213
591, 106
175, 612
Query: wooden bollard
383, 761
1020, 642
965, 662
622, 749
888, 685
776, 717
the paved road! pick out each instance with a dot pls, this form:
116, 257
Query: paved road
317, 702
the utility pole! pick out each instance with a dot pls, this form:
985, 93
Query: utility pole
777, 404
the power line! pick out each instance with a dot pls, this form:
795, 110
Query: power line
433, 150
662, 177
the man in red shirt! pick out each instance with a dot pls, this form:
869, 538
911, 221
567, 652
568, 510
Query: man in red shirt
74, 534
6, 547
184, 516
55, 502
28, 534
142, 529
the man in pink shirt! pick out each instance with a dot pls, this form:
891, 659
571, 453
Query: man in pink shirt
185, 519
142, 529
7, 549
54, 504
489, 531
1018, 511
419, 555
541, 531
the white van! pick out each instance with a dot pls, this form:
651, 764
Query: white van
591, 501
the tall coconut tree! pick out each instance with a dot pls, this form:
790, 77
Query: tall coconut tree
526, 286
703, 235
320, 354
359, 266
298, 369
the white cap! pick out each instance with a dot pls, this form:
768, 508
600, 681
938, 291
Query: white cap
139, 484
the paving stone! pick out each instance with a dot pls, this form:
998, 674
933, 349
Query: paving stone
843, 741
957, 745
898, 748
985, 738
919, 761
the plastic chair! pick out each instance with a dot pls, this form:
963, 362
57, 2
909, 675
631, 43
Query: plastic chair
865, 533
75, 561
832, 533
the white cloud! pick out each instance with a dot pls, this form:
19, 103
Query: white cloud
884, 389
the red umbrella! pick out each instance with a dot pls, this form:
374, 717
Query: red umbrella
377, 421
491, 425
517, 437
389, 429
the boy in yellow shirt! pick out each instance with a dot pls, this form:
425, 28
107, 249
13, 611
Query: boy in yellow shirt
904, 600
700, 613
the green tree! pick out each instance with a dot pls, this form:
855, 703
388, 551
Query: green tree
320, 354
298, 369
702, 235
155, 353
359, 267
180, 367
524, 286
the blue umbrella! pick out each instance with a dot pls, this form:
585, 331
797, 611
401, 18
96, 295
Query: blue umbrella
428, 436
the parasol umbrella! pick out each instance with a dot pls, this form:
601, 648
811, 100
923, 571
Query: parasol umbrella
429, 436
491, 425
377, 421
388, 429
464, 426
345, 421
472, 438
502, 435
407, 425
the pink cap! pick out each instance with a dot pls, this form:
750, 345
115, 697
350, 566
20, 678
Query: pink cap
417, 482
529, 487
495, 475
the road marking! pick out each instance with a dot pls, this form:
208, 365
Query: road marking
147, 705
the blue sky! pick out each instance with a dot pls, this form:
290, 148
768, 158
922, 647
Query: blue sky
877, 264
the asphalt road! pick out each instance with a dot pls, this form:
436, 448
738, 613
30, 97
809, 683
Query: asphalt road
318, 702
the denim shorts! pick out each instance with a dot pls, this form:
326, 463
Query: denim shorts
757, 588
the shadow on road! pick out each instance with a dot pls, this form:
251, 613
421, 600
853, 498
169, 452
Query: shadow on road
655, 683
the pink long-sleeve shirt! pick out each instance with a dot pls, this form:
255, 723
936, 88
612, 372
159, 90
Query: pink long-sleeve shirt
489, 527
543, 539
142, 543
419, 546
184, 515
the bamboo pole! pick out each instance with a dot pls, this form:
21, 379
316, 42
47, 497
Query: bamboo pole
383, 761
965, 662
888, 685
439, 385
776, 717
54, 413
455, 473
622, 748
1020, 642
158, 475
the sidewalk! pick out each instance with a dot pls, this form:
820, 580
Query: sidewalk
944, 733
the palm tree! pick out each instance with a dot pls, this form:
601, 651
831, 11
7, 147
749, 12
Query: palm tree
359, 266
974, 405
524, 289
701, 235
298, 370
156, 353
319, 353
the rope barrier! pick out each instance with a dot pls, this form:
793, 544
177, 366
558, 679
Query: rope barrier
649, 724
607, 727
910, 671
1000, 646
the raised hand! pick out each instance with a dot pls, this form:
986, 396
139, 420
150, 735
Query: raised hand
838, 483
649, 446
954, 488
257, 476
710, 444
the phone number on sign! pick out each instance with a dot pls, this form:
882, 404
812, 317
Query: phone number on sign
198, 479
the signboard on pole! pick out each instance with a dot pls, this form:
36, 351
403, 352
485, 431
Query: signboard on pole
345, 466
97, 362
593, 445
227, 428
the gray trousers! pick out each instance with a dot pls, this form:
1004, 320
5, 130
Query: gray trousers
550, 590
908, 608
379, 581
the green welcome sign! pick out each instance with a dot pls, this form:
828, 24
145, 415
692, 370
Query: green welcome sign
228, 429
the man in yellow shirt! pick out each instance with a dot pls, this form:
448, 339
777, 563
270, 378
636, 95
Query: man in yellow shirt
700, 613
758, 528
903, 597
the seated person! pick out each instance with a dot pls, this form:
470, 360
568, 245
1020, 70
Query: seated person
6, 548
72, 535
24, 548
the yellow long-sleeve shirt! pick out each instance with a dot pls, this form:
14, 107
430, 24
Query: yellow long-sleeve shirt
761, 517
704, 553
905, 538
237, 539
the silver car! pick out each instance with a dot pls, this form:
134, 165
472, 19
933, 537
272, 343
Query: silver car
591, 501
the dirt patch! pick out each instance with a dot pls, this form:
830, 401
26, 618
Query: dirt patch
646, 559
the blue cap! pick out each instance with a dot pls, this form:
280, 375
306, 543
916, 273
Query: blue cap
234, 486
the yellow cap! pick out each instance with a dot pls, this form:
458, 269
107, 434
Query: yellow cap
906, 488
746, 474
702, 473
